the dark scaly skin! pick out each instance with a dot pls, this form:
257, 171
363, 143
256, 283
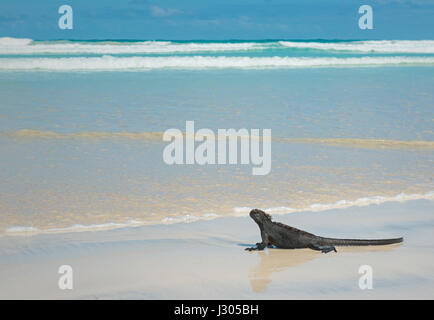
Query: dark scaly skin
283, 236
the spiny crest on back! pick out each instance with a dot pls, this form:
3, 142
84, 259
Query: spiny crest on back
292, 228
267, 216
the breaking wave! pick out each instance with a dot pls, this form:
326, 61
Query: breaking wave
379, 46
110, 63
341, 204
28, 46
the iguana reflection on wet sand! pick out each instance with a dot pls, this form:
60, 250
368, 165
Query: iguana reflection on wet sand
283, 236
275, 261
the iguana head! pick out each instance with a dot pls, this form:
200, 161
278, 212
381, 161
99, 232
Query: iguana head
259, 216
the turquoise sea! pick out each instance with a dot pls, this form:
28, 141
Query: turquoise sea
81, 121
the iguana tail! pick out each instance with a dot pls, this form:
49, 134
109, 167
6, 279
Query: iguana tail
358, 242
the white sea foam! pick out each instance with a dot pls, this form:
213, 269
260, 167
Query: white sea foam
188, 218
102, 226
341, 204
243, 211
199, 62
27, 46
380, 46
237, 211
7, 42
23, 230
28, 230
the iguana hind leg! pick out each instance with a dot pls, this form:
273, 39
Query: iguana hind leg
323, 249
268, 246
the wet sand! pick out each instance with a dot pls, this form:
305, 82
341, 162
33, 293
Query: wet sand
206, 259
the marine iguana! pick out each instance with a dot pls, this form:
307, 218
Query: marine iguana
283, 236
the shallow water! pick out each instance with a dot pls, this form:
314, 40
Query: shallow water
83, 149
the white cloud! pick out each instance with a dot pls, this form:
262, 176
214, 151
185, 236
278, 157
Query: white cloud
161, 12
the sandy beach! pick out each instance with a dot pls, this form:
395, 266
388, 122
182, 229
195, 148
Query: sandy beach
130, 165
207, 260
136, 137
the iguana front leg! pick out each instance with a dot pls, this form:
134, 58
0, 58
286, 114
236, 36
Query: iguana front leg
261, 245
268, 246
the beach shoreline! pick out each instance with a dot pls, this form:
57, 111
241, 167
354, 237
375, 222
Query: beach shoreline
206, 259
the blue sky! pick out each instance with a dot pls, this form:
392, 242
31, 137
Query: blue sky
217, 19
